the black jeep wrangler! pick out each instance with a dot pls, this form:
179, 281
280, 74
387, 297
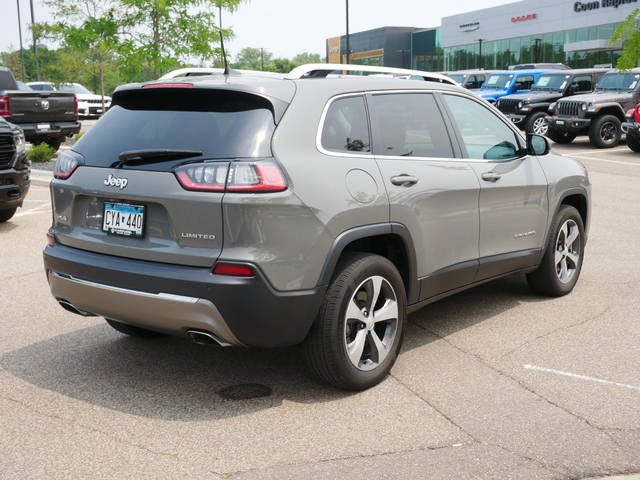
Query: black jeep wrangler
527, 110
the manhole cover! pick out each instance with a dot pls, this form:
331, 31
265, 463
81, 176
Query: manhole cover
245, 391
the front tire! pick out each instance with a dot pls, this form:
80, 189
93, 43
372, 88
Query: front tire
7, 214
535, 123
358, 332
560, 268
633, 143
605, 131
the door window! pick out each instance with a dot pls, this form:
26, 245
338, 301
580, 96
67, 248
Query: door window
410, 126
484, 135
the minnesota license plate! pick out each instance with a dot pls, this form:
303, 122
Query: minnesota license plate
123, 219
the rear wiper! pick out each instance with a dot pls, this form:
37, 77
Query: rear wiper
152, 156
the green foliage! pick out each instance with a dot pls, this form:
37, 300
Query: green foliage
78, 136
41, 153
281, 65
304, 58
628, 34
252, 59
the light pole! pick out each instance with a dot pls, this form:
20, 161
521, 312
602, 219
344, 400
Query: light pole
348, 50
480, 59
35, 47
20, 34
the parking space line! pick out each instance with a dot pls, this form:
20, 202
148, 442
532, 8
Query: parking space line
580, 377
609, 161
36, 210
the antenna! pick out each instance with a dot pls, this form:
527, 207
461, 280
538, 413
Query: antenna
224, 53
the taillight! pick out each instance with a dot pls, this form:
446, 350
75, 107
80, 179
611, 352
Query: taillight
75, 103
5, 106
253, 177
637, 113
203, 176
66, 164
233, 270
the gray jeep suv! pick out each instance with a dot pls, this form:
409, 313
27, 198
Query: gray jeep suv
313, 208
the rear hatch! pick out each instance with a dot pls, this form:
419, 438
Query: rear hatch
147, 181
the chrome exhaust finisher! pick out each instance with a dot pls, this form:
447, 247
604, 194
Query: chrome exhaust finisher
69, 307
206, 338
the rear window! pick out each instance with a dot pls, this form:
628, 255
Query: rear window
219, 123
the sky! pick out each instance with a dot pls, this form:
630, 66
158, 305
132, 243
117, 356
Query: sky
283, 27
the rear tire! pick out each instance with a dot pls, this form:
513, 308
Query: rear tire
560, 137
560, 268
633, 143
133, 331
605, 131
358, 332
7, 214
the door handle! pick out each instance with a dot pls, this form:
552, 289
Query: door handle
491, 177
404, 180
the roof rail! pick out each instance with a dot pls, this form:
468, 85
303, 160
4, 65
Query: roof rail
322, 70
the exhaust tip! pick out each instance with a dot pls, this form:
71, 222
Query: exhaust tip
205, 338
69, 307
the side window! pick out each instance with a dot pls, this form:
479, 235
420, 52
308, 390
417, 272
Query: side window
525, 81
345, 127
410, 126
484, 134
583, 82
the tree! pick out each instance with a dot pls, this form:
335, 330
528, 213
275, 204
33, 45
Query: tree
160, 34
628, 34
252, 59
303, 58
88, 30
281, 65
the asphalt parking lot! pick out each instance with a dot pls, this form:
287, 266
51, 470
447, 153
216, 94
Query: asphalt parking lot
492, 383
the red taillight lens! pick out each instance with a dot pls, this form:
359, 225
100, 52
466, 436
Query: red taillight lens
234, 270
66, 164
75, 102
169, 85
203, 176
252, 177
255, 177
637, 113
5, 106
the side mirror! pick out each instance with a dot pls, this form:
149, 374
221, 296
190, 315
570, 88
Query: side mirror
517, 87
538, 144
573, 89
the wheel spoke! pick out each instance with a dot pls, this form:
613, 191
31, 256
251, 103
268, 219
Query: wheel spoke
354, 312
389, 311
356, 347
563, 273
574, 233
374, 286
574, 258
378, 349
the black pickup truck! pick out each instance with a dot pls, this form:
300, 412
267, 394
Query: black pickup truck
527, 110
46, 117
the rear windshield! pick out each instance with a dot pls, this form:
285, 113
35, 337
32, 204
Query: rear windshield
218, 123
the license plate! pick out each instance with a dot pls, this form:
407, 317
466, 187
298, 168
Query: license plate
43, 126
559, 122
123, 219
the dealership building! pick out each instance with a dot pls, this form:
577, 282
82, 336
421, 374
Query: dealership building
575, 33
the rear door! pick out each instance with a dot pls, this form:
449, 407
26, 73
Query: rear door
513, 187
431, 192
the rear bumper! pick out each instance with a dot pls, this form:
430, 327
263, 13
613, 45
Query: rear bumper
34, 131
176, 299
